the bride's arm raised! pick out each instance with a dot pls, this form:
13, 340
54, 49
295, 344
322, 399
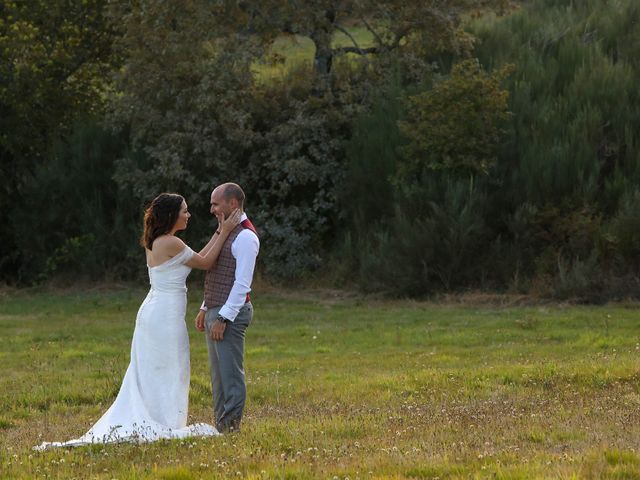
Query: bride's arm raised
208, 246
213, 248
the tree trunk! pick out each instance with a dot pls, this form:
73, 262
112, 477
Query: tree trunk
324, 53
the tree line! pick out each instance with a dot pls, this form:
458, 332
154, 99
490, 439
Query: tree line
470, 144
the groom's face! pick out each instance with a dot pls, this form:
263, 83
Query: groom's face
220, 206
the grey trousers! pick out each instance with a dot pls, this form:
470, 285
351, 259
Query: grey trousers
226, 361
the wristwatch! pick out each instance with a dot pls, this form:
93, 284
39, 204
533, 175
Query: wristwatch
221, 319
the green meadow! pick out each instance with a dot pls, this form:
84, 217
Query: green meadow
339, 387
291, 51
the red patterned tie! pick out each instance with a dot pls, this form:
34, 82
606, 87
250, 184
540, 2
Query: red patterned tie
246, 223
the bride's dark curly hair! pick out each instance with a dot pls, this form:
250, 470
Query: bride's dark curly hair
160, 217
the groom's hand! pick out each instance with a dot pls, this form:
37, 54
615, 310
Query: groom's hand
217, 330
200, 321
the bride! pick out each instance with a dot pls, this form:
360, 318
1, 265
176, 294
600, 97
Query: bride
154, 397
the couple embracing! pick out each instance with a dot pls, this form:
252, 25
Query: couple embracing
153, 400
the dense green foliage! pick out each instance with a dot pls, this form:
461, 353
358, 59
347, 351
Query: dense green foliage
55, 62
194, 104
187, 99
498, 155
77, 218
556, 212
455, 125
206, 121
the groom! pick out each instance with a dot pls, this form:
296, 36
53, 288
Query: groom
227, 311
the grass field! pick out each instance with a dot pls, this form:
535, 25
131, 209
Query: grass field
340, 388
296, 50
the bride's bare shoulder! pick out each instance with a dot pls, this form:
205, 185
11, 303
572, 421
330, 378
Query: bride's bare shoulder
168, 244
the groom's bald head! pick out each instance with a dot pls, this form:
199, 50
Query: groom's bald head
232, 191
226, 198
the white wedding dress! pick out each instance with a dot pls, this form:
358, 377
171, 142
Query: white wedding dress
154, 397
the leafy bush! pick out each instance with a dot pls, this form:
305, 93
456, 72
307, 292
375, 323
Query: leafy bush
293, 171
425, 227
455, 125
432, 244
553, 207
372, 155
579, 279
77, 219
623, 231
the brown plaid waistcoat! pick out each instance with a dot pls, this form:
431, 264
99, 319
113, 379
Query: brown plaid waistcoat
219, 280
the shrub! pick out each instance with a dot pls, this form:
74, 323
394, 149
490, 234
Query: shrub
75, 217
431, 243
552, 204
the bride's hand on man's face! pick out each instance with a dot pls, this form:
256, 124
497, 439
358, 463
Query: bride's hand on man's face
220, 221
232, 220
